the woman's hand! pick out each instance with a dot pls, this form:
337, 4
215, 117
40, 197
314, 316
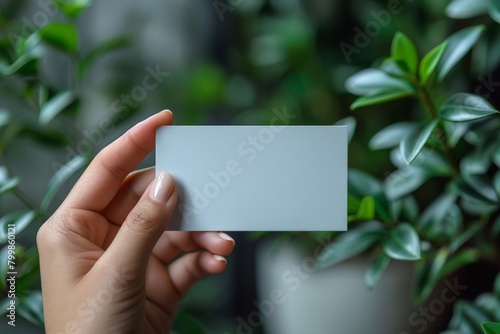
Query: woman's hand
107, 265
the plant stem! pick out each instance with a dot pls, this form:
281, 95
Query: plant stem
24, 198
427, 100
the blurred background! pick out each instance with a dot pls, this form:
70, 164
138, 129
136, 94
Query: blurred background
214, 62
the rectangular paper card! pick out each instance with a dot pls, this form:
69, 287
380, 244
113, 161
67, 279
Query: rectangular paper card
256, 178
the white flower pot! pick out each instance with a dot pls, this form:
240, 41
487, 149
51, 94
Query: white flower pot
293, 299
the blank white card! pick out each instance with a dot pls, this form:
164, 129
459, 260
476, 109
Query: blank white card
256, 178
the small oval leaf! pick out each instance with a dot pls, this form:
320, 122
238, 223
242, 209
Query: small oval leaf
55, 106
403, 243
349, 244
403, 181
392, 135
404, 50
463, 107
63, 36
376, 270
61, 176
463, 9
371, 81
458, 45
412, 145
430, 62
381, 97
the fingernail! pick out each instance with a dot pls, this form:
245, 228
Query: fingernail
162, 188
220, 258
169, 111
227, 237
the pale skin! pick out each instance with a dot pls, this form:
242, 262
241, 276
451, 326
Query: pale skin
107, 263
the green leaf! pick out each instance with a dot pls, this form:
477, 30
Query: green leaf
352, 204
60, 177
349, 244
404, 181
467, 317
476, 193
20, 219
496, 158
372, 81
428, 273
477, 207
351, 126
458, 45
63, 36
495, 11
430, 62
411, 146
366, 209
459, 241
381, 97
26, 61
403, 243
474, 164
376, 270
382, 207
55, 106
463, 107
441, 217
4, 117
456, 131
491, 327
362, 184
9, 185
73, 8
403, 49
459, 261
395, 68
410, 210
103, 49
482, 185
24, 221
433, 162
392, 135
30, 308
463, 9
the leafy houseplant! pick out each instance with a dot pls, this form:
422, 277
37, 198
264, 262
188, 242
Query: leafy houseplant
47, 114
448, 159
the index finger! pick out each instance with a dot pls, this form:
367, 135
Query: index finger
101, 180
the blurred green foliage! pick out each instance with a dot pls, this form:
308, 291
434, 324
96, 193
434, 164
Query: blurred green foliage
425, 72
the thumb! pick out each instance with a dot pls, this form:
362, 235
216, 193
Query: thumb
134, 242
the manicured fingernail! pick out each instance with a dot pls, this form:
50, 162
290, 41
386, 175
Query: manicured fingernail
220, 258
227, 237
169, 111
162, 188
